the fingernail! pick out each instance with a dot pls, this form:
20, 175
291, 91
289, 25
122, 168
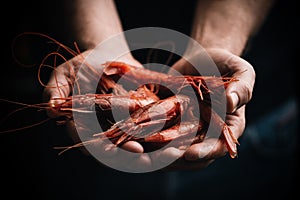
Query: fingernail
234, 100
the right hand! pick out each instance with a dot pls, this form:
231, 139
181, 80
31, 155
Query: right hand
61, 83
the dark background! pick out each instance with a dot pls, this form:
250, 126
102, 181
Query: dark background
31, 168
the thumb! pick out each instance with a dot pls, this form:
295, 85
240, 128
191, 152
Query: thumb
53, 99
239, 93
54, 94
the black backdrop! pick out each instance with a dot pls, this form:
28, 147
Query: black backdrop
32, 169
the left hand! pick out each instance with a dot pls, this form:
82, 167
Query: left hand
238, 94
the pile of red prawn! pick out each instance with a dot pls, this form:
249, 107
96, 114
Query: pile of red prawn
157, 116
154, 119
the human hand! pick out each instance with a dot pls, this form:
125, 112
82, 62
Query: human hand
238, 94
64, 79
235, 119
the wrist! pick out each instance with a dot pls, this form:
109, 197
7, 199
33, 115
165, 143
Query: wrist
226, 24
233, 41
234, 46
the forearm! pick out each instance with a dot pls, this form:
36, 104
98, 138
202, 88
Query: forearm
93, 21
228, 24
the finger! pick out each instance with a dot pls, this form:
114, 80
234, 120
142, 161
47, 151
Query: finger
165, 157
133, 146
239, 92
141, 163
119, 158
173, 159
170, 154
173, 154
57, 87
237, 121
178, 162
58, 84
211, 148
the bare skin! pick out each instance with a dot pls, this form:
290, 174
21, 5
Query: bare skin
223, 28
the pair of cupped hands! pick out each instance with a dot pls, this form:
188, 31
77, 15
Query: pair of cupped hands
196, 156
